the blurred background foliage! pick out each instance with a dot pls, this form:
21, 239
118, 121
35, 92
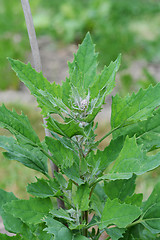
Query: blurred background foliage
115, 26
129, 27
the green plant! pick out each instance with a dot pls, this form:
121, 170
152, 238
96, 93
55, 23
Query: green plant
87, 182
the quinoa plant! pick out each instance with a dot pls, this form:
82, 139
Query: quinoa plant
97, 187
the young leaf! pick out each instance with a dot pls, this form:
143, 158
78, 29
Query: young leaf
136, 107
120, 188
63, 156
61, 213
29, 211
38, 85
44, 188
28, 155
18, 125
81, 199
151, 211
115, 233
82, 71
118, 214
69, 129
56, 228
105, 80
132, 160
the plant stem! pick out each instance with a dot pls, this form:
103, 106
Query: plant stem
105, 136
37, 64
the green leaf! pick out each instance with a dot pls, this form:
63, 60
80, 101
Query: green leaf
136, 107
115, 233
44, 188
63, 156
132, 160
80, 237
5, 237
118, 214
73, 173
106, 80
11, 223
41, 234
81, 198
28, 155
69, 129
98, 199
120, 188
56, 228
61, 213
29, 211
135, 199
151, 211
18, 125
102, 159
147, 131
82, 71
38, 85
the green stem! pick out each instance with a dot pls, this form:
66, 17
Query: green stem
105, 136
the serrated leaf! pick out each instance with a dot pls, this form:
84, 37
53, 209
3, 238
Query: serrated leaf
120, 188
132, 160
115, 233
6, 237
28, 155
41, 234
81, 198
11, 223
69, 129
136, 107
82, 71
18, 125
29, 211
135, 199
151, 211
44, 188
106, 80
38, 85
73, 173
61, 213
147, 131
63, 156
119, 214
56, 228
102, 159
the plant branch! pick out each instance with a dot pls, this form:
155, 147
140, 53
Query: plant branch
37, 64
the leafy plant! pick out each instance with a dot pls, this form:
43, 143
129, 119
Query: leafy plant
92, 183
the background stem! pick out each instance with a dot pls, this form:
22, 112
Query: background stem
37, 65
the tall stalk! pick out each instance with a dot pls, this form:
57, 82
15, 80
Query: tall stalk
37, 66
